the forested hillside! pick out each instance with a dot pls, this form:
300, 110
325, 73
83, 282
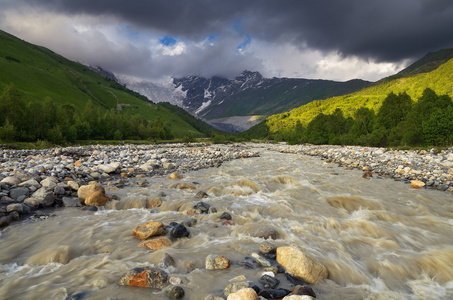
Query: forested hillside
433, 90
46, 96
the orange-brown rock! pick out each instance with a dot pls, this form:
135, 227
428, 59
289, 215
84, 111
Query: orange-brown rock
145, 277
301, 264
184, 186
124, 175
96, 198
78, 163
175, 176
417, 184
150, 229
153, 203
156, 244
216, 262
85, 190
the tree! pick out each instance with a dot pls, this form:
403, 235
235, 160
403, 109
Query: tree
393, 110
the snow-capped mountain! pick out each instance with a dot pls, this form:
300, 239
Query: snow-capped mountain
247, 95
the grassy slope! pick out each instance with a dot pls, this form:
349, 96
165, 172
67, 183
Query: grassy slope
39, 73
282, 96
440, 80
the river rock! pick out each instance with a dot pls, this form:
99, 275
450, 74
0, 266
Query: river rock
179, 231
176, 292
153, 203
202, 207
44, 196
216, 262
244, 294
201, 195
109, 168
30, 182
96, 198
301, 264
5, 221
225, 216
18, 192
303, 290
267, 247
185, 186
73, 185
267, 232
11, 180
145, 277
32, 201
417, 184
175, 176
71, 202
150, 229
234, 287
86, 190
269, 281
49, 182
156, 244
15, 207
261, 260
166, 261
169, 165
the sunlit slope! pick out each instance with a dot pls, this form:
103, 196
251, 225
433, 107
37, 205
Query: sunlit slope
440, 80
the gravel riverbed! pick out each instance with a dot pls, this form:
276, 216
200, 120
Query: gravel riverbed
32, 181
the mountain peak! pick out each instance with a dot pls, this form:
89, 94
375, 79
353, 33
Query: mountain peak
249, 74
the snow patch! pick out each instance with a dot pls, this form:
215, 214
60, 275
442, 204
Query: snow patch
203, 107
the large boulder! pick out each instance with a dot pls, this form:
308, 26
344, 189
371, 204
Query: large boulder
301, 264
86, 190
150, 229
96, 198
145, 277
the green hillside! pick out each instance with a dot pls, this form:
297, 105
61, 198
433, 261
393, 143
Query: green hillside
38, 73
440, 81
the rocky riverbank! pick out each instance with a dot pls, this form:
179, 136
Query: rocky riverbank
423, 169
36, 179
32, 180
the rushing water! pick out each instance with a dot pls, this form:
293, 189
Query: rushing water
378, 238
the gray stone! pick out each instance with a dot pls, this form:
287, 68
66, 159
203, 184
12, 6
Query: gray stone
71, 202
44, 196
15, 207
5, 221
17, 192
234, 287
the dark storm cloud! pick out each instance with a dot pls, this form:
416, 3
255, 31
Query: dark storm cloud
383, 30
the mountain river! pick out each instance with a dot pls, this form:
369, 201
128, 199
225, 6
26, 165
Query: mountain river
378, 238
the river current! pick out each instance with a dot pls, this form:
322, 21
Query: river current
378, 238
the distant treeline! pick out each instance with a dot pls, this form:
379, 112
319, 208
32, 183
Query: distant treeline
45, 121
398, 122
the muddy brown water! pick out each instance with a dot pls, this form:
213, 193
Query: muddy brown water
378, 238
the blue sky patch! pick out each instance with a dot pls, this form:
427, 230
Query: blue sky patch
168, 41
247, 40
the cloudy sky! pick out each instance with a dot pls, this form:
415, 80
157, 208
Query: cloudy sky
154, 39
